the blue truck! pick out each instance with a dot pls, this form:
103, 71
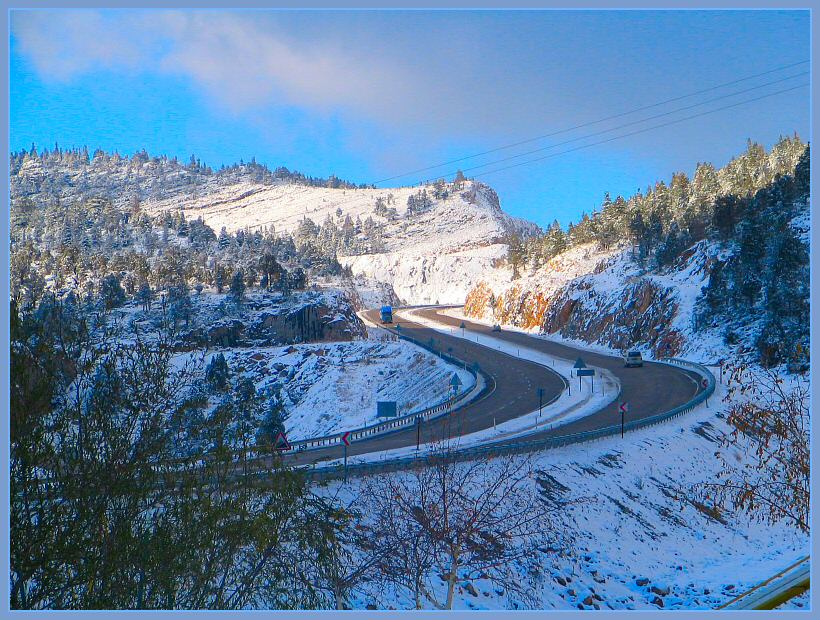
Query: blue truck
387, 314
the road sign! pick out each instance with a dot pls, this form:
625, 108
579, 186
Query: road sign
462, 326
704, 383
345, 438
455, 381
284, 445
623, 407
386, 409
579, 363
586, 372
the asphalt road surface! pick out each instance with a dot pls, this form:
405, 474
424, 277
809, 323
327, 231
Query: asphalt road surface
514, 384
649, 390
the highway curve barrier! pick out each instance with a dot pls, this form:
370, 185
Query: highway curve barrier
496, 449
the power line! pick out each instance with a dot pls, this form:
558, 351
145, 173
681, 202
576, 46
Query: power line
480, 174
595, 122
645, 129
629, 124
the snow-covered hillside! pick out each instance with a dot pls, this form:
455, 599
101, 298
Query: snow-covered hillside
435, 254
639, 539
332, 387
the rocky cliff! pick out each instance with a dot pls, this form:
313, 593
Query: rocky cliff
604, 298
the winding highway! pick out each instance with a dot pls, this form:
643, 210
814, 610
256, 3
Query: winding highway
512, 389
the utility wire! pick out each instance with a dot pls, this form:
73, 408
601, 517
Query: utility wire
488, 172
629, 124
595, 122
645, 129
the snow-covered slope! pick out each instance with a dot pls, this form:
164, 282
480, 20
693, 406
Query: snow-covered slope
435, 254
332, 387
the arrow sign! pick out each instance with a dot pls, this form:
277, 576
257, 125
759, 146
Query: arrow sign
345, 438
285, 443
624, 407
704, 383
579, 363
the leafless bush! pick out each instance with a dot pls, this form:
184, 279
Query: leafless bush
445, 522
765, 457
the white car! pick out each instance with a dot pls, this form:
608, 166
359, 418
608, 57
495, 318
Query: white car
633, 358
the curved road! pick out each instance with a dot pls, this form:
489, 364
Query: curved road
512, 392
513, 388
652, 389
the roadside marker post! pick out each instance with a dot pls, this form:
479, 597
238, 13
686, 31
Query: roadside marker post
462, 326
346, 443
704, 383
540, 400
624, 407
418, 432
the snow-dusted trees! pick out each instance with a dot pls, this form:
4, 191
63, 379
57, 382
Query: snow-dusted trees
117, 500
111, 293
418, 203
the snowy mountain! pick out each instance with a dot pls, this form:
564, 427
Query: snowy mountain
435, 253
430, 242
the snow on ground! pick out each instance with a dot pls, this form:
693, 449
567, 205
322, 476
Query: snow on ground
420, 278
798, 603
332, 387
636, 545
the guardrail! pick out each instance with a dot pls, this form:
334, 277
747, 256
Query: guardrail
513, 447
400, 422
776, 590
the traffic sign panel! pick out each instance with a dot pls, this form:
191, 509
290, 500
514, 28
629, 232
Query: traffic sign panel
586, 372
281, 437
345, 438
704, 383
624, 407
579, 363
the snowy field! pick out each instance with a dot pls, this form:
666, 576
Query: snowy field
636, 545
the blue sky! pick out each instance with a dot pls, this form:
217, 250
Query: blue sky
372, 94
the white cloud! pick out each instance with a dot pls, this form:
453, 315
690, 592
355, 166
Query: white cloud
63, 44
242, 61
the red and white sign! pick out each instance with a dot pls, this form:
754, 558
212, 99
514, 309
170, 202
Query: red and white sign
704, 383
624, 407
345, 438
284, 445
